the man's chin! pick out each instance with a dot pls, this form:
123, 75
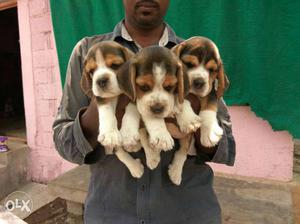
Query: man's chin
148, 21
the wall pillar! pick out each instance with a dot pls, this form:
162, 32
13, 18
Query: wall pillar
42, 88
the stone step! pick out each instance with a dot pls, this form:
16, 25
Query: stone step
7, 217
3, 158
297, 147
38, 195
243, 200
296, 167
54, 212
2, 166
252, 200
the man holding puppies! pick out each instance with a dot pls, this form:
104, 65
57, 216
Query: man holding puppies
114, 196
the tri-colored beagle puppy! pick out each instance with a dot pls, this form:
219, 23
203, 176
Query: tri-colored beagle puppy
156, 82
207, 81
100, 80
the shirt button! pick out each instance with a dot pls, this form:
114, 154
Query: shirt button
143, 189
142, 221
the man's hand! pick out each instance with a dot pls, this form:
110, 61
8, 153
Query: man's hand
89, 122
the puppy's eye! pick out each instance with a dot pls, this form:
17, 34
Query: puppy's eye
91, 72
169, 88
145, 88
211, 70
115, 66
189, 65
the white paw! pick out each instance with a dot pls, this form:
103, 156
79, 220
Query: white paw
131, 140
211, 134
136, 168
161, 141
133, 148
175, 174
153, 161
110, 139
189, 124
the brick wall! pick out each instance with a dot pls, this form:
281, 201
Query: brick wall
42, 93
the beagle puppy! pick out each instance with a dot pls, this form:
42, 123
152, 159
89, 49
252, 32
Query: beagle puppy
100, 80
155, 80
208, 82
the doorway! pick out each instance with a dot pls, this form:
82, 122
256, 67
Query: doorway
12, 116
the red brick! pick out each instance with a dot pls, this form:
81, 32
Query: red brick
38, 7
53, 108
41, 41
43, 59
43, 107
45, 124
47, 165
46, 107
46, 91
41, 24
41, 75
52, 75
44, 139
44, 75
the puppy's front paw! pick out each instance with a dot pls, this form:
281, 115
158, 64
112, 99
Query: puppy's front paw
133, 148
153, 160
136, 168
110, 139
211, 134
131, 140
175, 173
161, 141
189, 124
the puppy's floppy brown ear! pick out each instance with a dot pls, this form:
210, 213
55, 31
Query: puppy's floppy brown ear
223, 81
177, 49
86, 81
126, 52
182, 82
126, 78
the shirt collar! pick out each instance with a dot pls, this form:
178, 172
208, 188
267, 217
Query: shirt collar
162, 42
121, 32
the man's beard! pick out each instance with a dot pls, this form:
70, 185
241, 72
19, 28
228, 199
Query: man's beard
148, 14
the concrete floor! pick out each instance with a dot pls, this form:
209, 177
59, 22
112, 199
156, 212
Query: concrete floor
13, 167
38, 194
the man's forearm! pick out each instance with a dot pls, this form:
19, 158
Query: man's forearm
90, 123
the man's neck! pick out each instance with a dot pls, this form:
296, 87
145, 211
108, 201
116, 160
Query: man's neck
145, 37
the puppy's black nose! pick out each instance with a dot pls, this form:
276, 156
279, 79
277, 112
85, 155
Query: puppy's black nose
102, 82
157, 108
198, 83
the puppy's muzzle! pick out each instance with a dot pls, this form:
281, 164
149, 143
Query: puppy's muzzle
103, 82
157, 108
198, 83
